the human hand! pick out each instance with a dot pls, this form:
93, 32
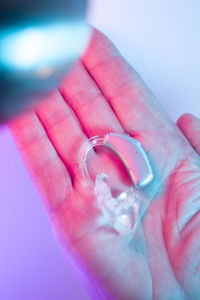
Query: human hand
104, 94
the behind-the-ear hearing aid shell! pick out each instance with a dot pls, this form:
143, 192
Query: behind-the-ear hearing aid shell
130, 152
133, 156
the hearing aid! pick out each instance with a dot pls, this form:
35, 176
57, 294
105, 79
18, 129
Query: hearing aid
121, 213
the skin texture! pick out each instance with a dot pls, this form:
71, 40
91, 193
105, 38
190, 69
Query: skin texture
101, 94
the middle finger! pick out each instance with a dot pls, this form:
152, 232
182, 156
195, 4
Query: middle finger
91, 108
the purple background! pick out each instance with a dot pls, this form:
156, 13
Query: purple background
161, 40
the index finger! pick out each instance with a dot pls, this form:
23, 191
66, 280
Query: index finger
133, 103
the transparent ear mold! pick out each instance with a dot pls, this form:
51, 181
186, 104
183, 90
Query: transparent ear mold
121, 212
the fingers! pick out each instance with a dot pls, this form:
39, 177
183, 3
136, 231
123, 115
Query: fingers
63, 129
43, 162
190, 126
132, 102
90, 106
95, 115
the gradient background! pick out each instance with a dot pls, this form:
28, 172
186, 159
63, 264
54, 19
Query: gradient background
161, 40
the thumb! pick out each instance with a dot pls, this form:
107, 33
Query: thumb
190, 126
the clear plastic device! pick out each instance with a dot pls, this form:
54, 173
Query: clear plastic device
121, 212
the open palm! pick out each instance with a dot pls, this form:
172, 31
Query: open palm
104, 94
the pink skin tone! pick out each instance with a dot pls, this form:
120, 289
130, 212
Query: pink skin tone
101, 94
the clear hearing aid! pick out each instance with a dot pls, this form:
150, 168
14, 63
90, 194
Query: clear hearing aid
121, 212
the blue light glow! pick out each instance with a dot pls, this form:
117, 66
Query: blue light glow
39, 47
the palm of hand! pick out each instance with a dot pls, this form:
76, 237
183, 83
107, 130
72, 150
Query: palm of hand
162, 260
